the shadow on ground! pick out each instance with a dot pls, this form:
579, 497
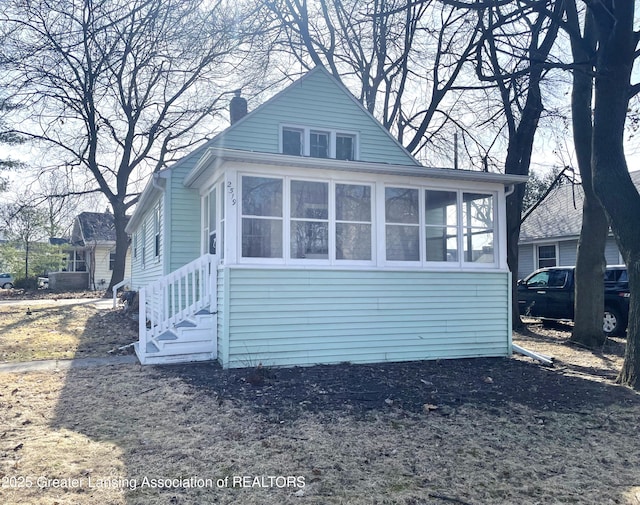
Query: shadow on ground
469, 431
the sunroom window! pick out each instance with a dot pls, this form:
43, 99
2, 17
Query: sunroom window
353, 222
441, 225
262, 218
477, 222
309, 220
212, 238
402, 231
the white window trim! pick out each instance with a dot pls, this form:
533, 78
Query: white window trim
460, 263
232, 246
306, 139
157, 232
536, 256
286, 226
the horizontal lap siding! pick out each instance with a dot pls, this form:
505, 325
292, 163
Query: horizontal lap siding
289, 317
316, 101
185, 217
222, 341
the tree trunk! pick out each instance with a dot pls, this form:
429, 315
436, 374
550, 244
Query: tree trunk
122, 244
590, 260
589, 274
611, 179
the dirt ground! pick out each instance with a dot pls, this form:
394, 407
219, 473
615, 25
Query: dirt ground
475, 431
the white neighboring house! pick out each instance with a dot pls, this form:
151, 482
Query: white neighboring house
91, 251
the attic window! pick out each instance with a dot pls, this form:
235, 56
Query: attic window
345, 145
292, 141
303, 141
319, 145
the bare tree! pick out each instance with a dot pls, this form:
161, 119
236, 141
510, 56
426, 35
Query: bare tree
590, 261
516, 43
117, 87
616, 43
404, 60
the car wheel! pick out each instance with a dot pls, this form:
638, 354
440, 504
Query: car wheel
8, 285
612, 323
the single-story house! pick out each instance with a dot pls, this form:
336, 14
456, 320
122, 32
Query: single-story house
549, 235
90, 254
305, 233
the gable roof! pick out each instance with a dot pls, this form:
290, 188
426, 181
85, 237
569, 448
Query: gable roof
93, 227
559, 216
297, 104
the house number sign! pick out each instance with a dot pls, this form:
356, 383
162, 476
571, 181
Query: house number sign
232, 193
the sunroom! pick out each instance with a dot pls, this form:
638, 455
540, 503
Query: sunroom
325, 260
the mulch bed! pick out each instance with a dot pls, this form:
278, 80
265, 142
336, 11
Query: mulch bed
412, 387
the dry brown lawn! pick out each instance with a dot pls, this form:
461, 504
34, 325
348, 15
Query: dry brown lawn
36, 330
485, 431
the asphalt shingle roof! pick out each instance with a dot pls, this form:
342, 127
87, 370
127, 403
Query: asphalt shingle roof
94, 227
560, 215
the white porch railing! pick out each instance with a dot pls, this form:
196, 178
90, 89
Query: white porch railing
175, 297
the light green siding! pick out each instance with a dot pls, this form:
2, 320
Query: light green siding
146, 267
185, 222
299, 317
222, 333
316, 101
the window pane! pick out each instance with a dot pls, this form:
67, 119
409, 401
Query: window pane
478, 246
261, 238
291, 141
261, 196
212, 243
353, 202
309, 240
319, 145
212, 210
309, 200
353, 241
441, 208
401, 205
344, 147
403, 243
442, 243
477, 210
546, 256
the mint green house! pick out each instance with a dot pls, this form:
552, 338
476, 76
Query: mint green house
305, 233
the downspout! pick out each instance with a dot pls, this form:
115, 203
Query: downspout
509, 190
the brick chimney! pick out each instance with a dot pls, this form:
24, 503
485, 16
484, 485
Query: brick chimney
237, 107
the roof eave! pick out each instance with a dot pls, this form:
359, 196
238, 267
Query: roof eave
214, 157
154, 188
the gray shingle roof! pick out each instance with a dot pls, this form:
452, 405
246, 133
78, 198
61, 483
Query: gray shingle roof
93, 227
560, 215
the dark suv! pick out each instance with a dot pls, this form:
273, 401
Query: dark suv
548, 293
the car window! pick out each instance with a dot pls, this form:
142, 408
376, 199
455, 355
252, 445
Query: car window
539, 280
557, 278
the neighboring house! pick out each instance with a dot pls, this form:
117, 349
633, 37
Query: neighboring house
549, 235
305, 233
90, 253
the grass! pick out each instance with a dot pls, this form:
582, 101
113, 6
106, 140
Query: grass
53, 330
501, 431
